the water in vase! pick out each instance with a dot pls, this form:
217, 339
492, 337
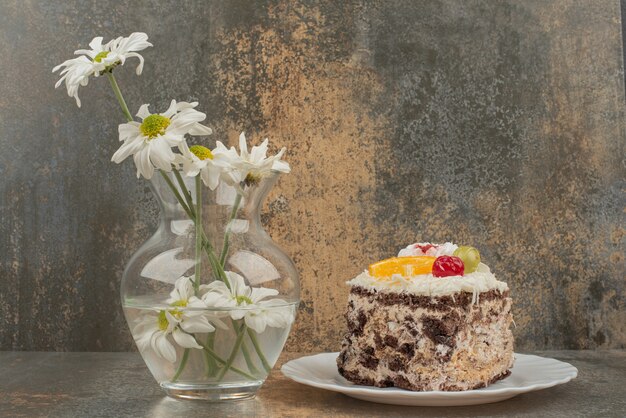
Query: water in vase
221, 349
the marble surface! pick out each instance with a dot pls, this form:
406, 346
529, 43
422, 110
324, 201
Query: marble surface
37, 384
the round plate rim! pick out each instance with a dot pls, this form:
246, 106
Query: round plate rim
406, 394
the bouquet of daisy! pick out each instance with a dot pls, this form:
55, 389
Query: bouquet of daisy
197, 306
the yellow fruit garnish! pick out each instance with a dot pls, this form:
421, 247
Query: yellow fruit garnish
405, 266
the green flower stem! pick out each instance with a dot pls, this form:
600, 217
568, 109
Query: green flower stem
241, 332
246, 353
118, 95
224, 362
182, 365
208, 370
246, 356
206, 244
184, 189
215, 264
177, 195
233, 213
257, 347
199, 233
210, 361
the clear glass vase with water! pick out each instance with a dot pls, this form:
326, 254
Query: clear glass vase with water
210, 298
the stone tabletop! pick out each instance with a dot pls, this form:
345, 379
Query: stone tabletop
38, 384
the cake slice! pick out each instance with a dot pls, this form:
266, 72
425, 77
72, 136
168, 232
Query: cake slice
434, 318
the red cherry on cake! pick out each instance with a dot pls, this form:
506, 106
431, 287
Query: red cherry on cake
448, 265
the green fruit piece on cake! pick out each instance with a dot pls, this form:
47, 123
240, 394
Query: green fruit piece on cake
470, 257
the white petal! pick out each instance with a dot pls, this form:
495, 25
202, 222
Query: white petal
153, 342
164, 348
237, 284
128, 130
184, 148
243, 147
211, 176
171, 111
220, 148
195, 302
256, 322
180, 106
143, 341
161, 154
139, 68
172, 321
137, 41
186, 164
237, 314
197, 324
96, 43
128, 148
259, 153
280, 317
259, 293
216, 286
185, 340
183, 289
277, 313
184, 121
143, 164
151, 318
143, 111
282, 166
198, 129
218, 300
90, 53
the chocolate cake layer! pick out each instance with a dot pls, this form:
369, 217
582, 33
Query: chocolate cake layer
452, 342
433, 302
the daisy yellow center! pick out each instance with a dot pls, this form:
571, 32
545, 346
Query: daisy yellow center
251, 180
180, 303
201, 152
163, 322
100, 56
242, 299
154, 125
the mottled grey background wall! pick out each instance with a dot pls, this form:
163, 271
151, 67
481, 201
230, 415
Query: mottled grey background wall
498, 124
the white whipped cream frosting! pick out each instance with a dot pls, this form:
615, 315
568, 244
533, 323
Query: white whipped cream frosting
482, 280
433, 250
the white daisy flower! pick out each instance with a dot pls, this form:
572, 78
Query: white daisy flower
197, 159
75, 74
251, 167
150, 142
257, 313
155, 328
122, 48
100, 58
194, 318
274, 313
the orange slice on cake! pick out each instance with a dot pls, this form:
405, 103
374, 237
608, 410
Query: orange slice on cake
404, 266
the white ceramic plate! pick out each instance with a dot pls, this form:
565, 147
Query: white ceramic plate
529, 373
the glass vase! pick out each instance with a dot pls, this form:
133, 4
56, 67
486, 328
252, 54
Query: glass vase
210, 298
